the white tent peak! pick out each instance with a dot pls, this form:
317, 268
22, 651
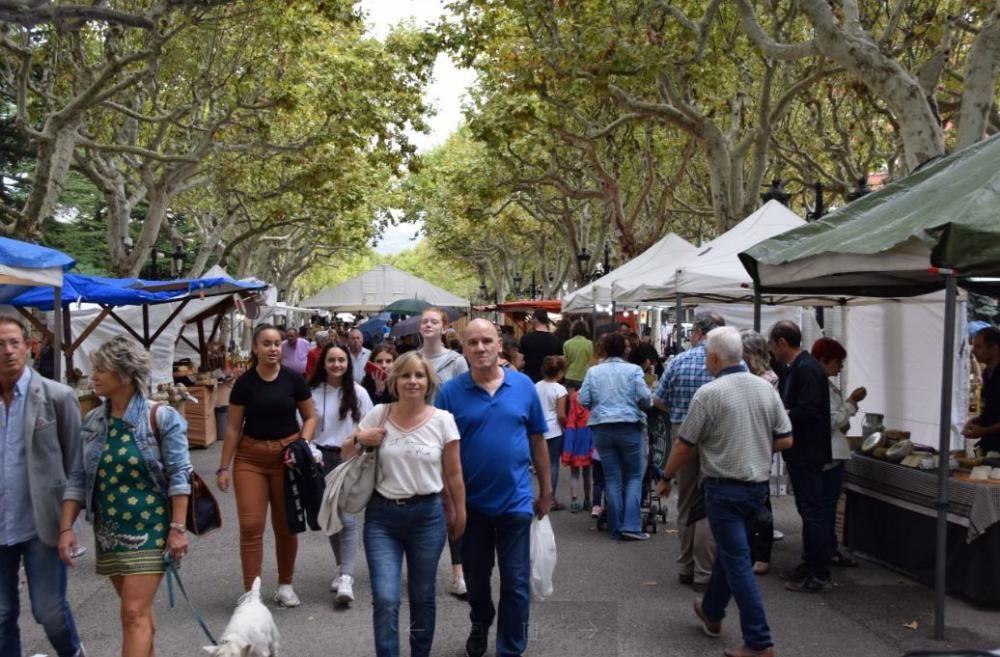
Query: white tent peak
377, 288
669, 250
714, 271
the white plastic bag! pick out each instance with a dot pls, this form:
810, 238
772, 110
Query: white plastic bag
543, 557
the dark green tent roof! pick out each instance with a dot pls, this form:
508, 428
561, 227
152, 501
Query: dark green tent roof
945, 215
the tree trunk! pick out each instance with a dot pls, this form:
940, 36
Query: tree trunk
979, 93
55, 154
854, 49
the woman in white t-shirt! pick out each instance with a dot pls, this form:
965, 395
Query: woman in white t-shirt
554, 397
340, 405
418, 457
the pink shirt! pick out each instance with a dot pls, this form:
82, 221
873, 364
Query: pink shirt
294, 358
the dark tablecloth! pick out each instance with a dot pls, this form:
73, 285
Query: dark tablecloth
890, 518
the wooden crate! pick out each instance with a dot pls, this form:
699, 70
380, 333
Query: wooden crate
206, 402
201, 428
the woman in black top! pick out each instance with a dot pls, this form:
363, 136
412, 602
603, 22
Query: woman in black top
374, 382
262, 422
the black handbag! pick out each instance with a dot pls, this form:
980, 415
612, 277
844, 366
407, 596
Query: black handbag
203, 512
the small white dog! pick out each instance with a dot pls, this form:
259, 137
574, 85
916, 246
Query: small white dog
251, 631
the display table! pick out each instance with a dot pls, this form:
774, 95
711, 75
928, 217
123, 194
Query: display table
891, 517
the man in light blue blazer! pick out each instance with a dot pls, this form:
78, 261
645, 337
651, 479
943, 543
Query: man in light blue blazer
39, 444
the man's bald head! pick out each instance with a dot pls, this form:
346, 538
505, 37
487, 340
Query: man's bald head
481, 345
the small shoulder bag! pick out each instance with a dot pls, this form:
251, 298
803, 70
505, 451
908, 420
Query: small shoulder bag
203, 512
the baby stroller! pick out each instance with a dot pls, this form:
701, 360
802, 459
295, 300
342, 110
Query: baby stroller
653, 510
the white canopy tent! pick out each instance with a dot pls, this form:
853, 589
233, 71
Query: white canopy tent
669, 251
377, 288
713, 272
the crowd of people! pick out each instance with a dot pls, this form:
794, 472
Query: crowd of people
460, 433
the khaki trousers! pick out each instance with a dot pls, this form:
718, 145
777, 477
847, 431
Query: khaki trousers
697, 545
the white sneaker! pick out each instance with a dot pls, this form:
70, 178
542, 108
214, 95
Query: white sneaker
334, 584
457, 586
345, 589
285, 596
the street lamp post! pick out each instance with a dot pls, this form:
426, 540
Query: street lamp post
178, 257
607, 257
818, 208
861, 190
517, 283
776, 192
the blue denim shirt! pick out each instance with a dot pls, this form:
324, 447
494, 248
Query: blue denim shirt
169, 467
614, 391
17, 520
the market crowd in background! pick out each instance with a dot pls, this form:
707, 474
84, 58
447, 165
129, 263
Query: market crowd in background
463, 420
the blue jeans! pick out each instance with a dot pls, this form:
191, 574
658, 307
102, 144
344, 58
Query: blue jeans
732, 509
508, 537
417, 531
555, 446
620, 445
808, 483
47, 590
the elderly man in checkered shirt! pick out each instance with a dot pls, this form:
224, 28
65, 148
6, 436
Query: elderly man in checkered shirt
736, 422
685, 374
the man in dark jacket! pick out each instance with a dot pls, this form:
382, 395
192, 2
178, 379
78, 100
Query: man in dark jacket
806, 394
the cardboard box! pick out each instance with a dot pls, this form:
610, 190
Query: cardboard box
201, 428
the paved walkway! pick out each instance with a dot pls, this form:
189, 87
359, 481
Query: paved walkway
610, 599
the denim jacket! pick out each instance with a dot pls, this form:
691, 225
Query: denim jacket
615, 391
170, 468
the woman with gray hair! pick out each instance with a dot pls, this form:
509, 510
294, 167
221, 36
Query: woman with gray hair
136, 470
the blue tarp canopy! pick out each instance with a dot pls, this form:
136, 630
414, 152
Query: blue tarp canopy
24, 265
129, 291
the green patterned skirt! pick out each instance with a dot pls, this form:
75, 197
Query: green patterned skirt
132, 514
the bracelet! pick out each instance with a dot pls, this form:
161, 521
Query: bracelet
179, 526
63, 531
221, 469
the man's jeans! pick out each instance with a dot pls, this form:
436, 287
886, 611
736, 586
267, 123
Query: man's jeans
817, 519
732, 508
47, 590
620, 445
416, 530
507, 536
833, 483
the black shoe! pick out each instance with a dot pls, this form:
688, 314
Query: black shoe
809, 585
475, 645
685, 578
795, 574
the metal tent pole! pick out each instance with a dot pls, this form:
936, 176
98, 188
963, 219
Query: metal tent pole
756, 309
678, 329
944, 450
57, 328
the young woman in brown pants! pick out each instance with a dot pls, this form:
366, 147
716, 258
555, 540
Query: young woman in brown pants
262, 422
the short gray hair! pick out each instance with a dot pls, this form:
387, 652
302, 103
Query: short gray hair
126, 358
726, 343
706, 321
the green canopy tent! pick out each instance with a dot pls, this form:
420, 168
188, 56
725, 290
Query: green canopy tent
936, 228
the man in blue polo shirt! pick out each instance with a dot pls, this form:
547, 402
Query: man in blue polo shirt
502, 425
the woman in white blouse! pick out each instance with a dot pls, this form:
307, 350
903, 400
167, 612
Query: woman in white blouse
418, 456
340, 405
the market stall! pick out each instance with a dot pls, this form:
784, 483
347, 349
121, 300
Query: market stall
906, 239
24, 266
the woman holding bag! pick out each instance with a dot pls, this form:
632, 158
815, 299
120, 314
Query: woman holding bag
137, 486
417, 458
340, 404
264, 408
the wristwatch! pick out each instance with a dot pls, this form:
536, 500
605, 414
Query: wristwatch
179, 526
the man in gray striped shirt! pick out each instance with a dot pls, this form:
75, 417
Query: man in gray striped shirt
736, 422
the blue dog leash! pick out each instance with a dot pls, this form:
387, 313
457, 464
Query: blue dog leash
173, 574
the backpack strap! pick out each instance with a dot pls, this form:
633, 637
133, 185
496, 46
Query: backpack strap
152, 422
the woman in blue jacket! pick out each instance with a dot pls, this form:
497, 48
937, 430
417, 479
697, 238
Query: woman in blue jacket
616, 394
133, 483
